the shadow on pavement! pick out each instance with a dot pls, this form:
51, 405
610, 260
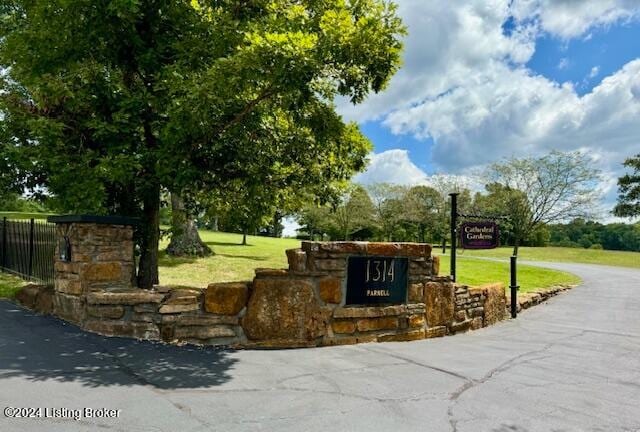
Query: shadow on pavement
43, 348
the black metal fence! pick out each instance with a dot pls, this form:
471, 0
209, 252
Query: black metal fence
27, 249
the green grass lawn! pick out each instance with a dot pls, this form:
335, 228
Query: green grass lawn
234, 262
559, 254
477, 272
9, 285
231, 262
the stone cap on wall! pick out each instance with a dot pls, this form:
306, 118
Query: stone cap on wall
369, 248
94, 219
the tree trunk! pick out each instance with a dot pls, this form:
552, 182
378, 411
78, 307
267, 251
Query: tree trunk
185, 239
148, 266
244, 237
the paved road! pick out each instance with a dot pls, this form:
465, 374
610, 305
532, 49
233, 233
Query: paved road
571, 364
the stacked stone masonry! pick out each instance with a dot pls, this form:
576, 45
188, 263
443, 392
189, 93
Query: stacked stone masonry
301, 306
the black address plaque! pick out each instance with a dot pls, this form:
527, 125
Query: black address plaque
377, 280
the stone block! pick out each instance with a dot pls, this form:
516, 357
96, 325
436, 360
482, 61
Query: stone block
384, 249
110, 312
476, 323
416, 293
369, 312
435, 332
373, 324
343, 247
417, 321
440, 300
436, 265
297, 259
126, 297
476, 291
67, 267
142, 308
284, 309
271, 273
329, 264
145, 317
350, 340
460, 326
402, 337
138, 330
44, 300
476, 312
178, 308
206, 320
109, 271
68, 286
344, 327
416, 250
123, 254
183, 296
226, 298
330, 290
203, 332
68, 307
416, 308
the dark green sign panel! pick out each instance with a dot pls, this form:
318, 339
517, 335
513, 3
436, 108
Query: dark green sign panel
377, 280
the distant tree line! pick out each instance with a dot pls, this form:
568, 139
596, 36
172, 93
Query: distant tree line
527, 194
594, 235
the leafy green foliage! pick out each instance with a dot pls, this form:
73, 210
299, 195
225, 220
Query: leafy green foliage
629, 190
587, 234
104, 103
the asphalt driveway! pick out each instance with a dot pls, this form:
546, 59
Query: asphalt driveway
570, 364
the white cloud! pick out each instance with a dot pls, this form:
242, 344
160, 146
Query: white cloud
572, 18
391, 166
448, 44
465, 85
394, 166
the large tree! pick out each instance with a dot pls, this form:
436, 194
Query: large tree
422, 208
111, 101
533, 191
629, 190
387, 205
353, 212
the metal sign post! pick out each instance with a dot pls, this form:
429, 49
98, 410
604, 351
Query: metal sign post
454, 236
483, 236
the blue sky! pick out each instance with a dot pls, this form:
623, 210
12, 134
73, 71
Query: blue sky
488, 79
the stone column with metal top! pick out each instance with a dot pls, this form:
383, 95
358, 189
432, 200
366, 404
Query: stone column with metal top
93, 253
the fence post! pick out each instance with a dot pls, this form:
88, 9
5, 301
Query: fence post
31, 246
4, 243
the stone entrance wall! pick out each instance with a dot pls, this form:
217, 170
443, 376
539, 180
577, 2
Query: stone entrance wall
302, 306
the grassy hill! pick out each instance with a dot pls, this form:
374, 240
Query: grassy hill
234, 262
561, 254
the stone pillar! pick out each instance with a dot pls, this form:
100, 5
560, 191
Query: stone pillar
101, 259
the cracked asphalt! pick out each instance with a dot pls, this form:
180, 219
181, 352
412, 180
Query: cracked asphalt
570, 364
